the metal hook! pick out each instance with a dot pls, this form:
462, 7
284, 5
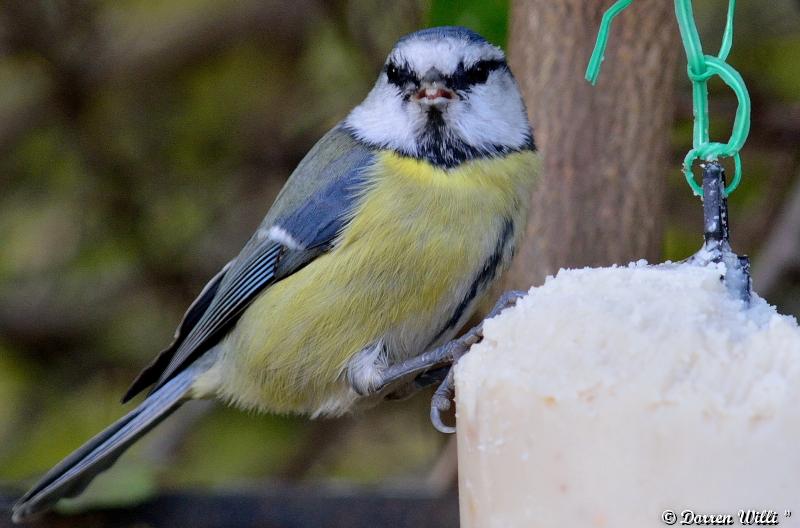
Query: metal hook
716, 247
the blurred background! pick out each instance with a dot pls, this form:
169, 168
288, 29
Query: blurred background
141, 142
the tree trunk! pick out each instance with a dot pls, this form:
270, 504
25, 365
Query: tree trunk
600, 199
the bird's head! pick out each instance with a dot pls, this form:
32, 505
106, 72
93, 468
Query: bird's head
445, 95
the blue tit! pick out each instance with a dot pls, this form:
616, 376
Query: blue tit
381, 245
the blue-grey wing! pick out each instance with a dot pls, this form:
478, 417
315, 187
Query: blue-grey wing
304, 220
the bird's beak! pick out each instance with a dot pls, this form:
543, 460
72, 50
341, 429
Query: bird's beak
433, 90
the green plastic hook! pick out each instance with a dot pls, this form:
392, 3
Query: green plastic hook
700, 68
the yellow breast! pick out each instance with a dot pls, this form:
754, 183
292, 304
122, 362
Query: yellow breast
413, 245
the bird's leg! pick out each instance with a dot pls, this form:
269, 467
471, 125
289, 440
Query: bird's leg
446, 354
444, 393
430, 377
421, 364
435, 366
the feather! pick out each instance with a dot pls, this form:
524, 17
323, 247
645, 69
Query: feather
310, 211
74, 473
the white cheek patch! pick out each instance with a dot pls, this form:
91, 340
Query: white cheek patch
385, 119
493, 114
281, 236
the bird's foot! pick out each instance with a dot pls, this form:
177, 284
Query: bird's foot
507, 300
441, 403
442, 398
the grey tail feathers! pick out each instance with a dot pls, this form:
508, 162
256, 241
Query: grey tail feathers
74, 473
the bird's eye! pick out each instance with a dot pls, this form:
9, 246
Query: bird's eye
398, 75
479, 73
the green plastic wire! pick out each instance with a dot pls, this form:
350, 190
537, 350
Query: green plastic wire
700, 69
727, 37
596, 60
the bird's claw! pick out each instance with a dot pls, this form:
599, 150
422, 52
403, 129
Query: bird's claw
507, 300
441, 401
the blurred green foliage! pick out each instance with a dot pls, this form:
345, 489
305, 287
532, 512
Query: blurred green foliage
488, 17
141, 141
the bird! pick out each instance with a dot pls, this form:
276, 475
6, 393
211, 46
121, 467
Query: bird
381, 245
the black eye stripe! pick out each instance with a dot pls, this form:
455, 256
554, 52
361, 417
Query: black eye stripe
489, 65
478, 73
462, 79
399, 75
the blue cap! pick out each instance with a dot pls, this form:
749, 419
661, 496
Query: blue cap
441, 32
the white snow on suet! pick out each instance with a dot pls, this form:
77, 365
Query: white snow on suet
609, 395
